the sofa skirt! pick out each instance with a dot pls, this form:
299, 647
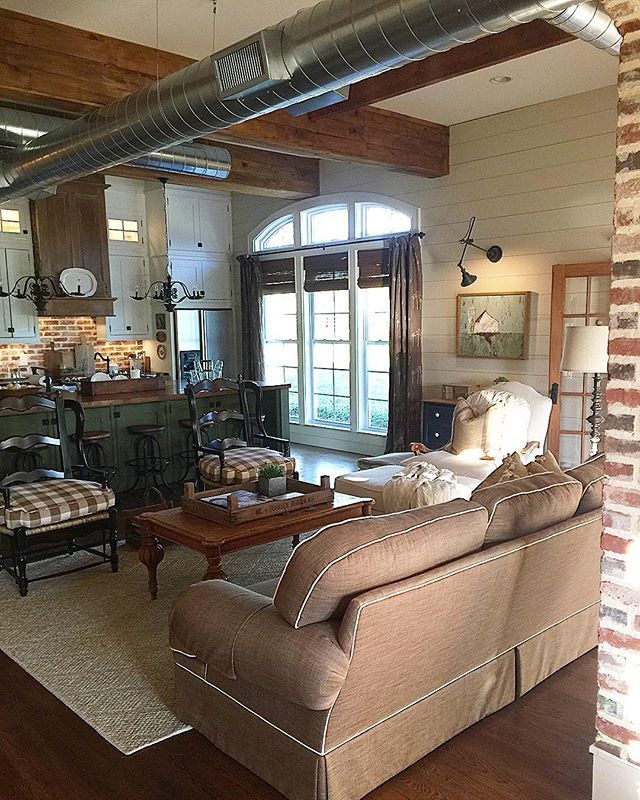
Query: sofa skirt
548, 651
368, 758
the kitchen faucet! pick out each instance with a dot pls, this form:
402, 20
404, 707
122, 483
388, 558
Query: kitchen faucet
106, 359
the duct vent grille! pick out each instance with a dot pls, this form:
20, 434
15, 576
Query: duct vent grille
241, 68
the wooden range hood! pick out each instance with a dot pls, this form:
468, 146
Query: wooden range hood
70, 230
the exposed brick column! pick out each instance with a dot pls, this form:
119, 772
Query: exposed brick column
618, 721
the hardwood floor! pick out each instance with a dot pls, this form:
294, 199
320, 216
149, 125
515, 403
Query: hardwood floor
312, 462
535, 749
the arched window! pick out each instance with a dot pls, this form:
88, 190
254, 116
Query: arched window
278, 233
326, 308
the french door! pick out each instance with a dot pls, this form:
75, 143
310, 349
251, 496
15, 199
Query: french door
579, 296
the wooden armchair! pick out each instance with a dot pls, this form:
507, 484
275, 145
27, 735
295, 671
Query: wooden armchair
45, 505
227, 460
253, 415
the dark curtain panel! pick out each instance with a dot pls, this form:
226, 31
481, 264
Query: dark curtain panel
405, 345
251, 310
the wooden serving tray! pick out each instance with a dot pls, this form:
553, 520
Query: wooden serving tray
130, 386
299, 495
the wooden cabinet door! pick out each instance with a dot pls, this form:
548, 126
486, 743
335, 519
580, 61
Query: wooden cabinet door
579, 296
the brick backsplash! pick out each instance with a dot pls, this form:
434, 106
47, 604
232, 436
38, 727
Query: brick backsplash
618, 720
65, 333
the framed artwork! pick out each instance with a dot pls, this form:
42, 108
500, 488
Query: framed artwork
493, 325
161, 322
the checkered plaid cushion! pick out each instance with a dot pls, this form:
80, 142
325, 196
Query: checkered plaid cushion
33, 505
242, 464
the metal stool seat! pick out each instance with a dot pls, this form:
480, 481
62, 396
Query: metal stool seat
149, 464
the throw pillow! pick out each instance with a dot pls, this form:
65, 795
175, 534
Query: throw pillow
591, 476
510, 469
474, 430
549, 462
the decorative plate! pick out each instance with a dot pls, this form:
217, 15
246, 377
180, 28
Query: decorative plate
161, 336
161, 350
79, 282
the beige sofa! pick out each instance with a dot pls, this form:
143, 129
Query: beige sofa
389, 635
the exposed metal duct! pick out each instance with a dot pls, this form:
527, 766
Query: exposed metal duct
319, 49
591, 23
18, 128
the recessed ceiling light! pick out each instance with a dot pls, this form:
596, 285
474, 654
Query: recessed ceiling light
501, 79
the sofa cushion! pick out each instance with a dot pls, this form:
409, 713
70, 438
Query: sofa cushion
345, 559
36, 505
591, 476
527, 505
242, 464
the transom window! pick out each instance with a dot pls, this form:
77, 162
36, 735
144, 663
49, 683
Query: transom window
124, 230
10, 220
326, 310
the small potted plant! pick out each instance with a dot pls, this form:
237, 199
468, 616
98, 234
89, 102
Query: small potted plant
271, 480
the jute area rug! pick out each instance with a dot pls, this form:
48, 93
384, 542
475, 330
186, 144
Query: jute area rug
100, 645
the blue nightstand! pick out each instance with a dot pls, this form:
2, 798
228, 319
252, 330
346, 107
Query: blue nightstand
437, 421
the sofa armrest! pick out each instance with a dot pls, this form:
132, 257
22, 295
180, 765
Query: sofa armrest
240, 635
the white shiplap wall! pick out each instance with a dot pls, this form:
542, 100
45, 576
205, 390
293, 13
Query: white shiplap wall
540, 181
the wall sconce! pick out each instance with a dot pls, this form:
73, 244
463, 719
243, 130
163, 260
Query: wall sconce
493, 253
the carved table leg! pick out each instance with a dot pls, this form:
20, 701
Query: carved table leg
150, 553
214, 570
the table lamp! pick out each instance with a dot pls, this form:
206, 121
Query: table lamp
586, 351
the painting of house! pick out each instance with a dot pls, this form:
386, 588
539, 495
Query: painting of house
493, 325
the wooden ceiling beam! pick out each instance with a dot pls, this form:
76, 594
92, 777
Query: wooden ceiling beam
488, 52
57, 67
253, 171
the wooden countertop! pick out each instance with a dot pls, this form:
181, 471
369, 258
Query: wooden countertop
174, 390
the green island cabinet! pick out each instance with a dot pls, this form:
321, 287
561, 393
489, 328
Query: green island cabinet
118, 416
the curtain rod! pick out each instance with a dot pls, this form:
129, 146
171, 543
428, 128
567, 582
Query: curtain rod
344, 243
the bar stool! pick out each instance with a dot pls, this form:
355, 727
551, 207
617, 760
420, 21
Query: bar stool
149, 463
188, 455
93, 448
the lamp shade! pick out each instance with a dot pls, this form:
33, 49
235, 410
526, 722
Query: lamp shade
586, 349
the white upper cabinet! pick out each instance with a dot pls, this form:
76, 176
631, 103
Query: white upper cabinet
18, 318
131, 320
126, 234
198, 221
195, 239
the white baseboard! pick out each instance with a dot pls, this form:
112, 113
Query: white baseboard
368, 444
613, 778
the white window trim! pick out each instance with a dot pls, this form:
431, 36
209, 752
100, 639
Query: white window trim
350, 198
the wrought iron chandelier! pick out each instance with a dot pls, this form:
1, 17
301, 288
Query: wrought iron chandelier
169, 292
40, 289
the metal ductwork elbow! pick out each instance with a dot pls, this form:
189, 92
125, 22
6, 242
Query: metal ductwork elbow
319, 50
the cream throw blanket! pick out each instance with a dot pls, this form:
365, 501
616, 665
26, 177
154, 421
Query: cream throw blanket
419, 485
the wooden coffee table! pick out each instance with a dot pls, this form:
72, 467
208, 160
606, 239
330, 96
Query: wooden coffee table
214, 540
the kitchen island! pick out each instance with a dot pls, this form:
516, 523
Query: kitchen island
167, 408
